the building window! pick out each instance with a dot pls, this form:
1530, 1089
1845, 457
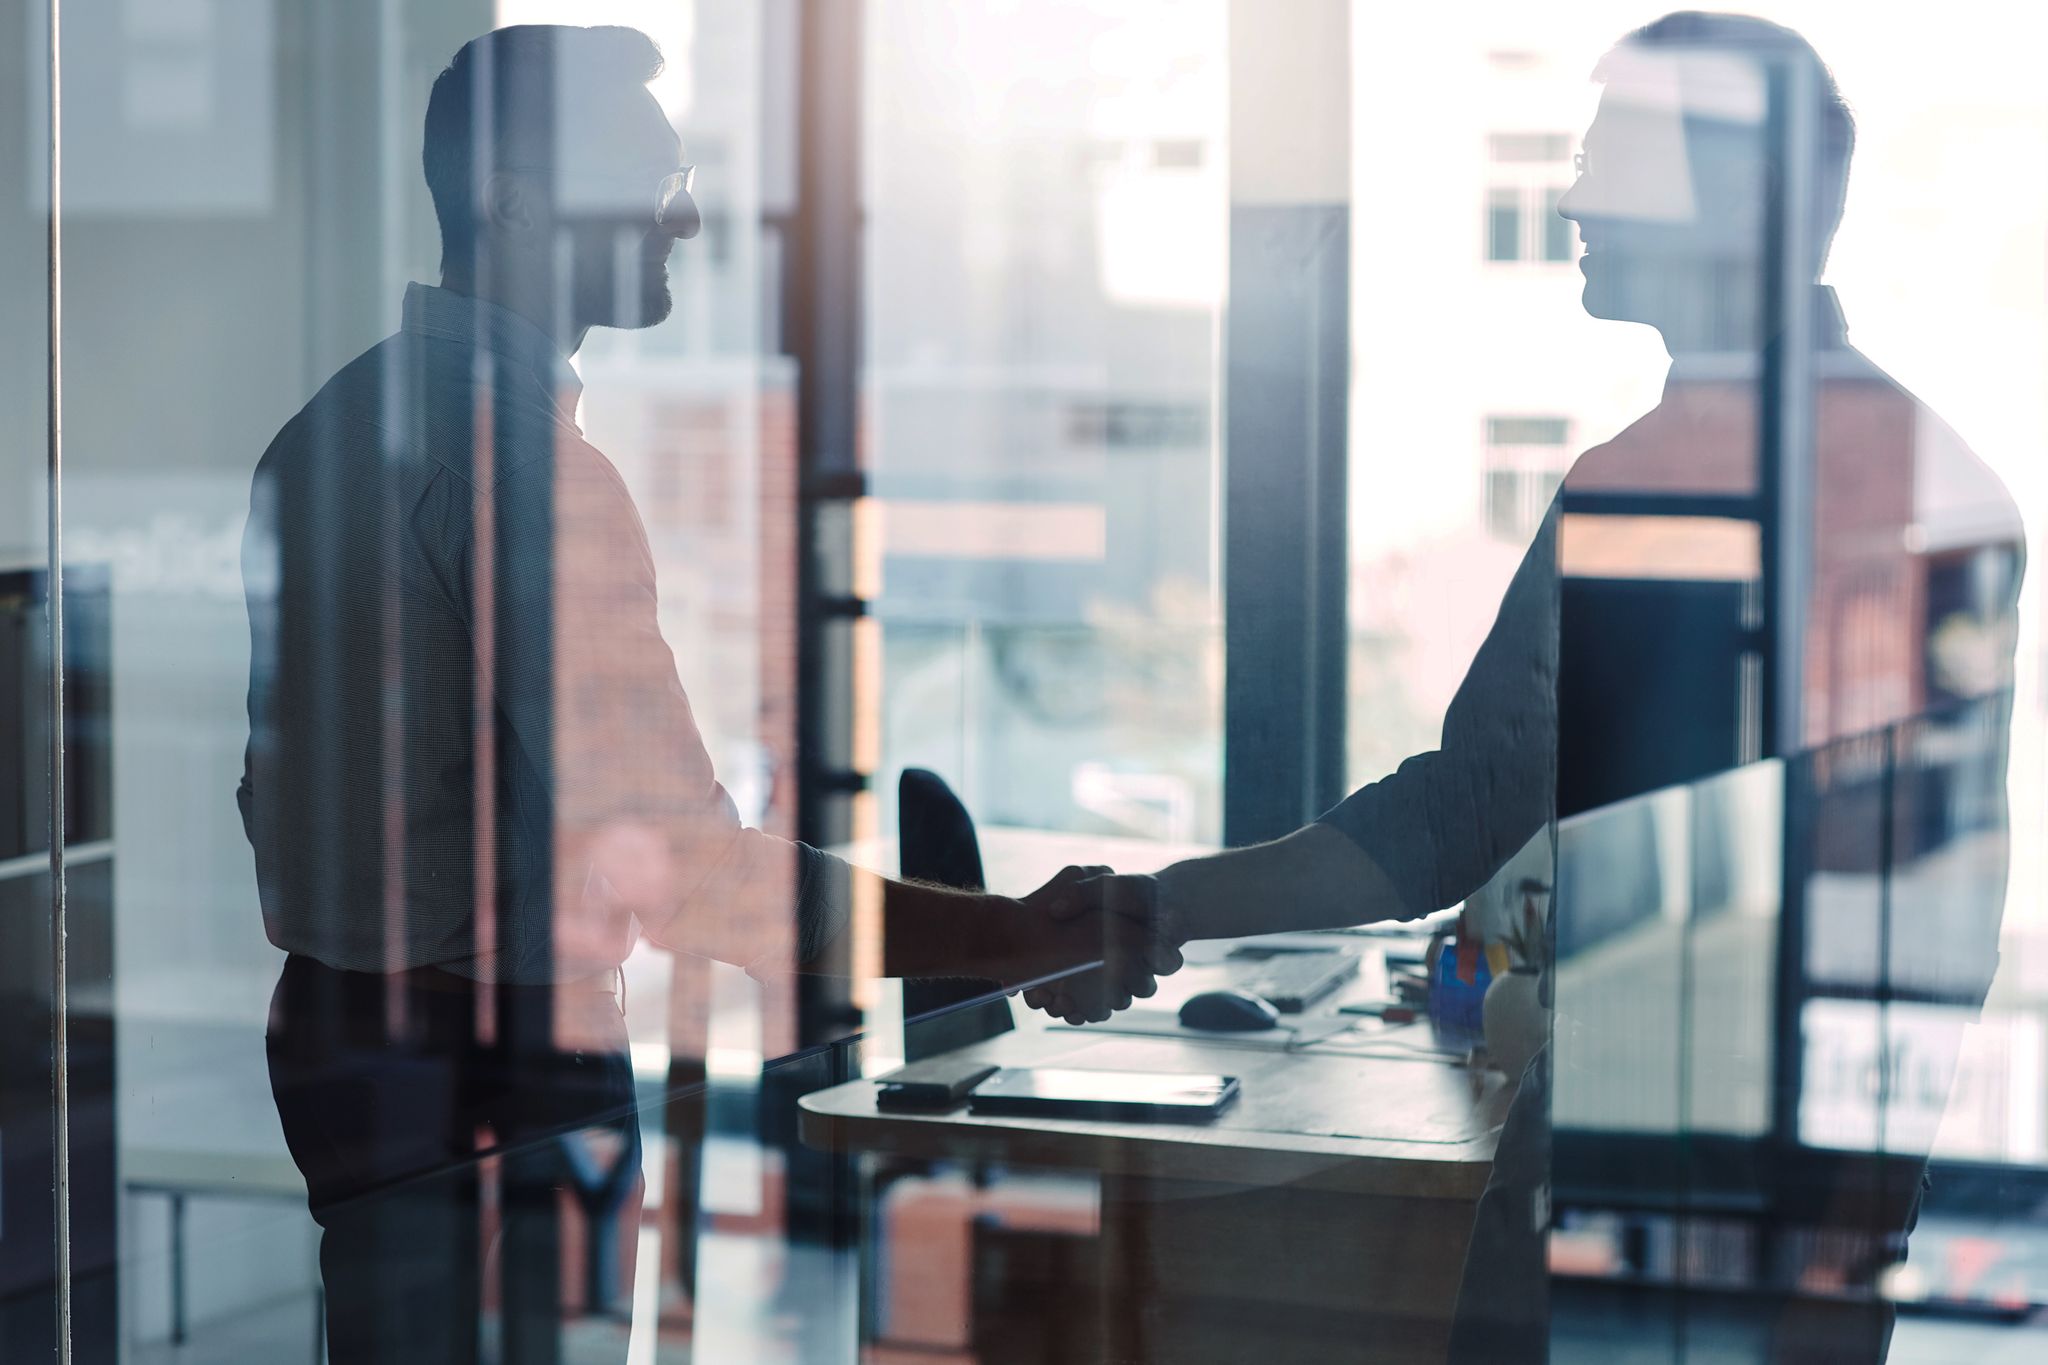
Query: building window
1529, 174
1558, 233
1119, 424
1504, 225
1526, 459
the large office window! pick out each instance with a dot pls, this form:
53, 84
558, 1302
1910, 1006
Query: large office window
1044, 279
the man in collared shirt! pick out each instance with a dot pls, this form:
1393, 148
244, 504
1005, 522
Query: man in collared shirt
473, 778
1604, 677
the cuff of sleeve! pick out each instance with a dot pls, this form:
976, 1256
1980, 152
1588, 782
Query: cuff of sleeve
824, 901
1396, 835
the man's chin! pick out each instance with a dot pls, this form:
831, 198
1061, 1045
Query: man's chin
657, 305
654, 306
1600, 296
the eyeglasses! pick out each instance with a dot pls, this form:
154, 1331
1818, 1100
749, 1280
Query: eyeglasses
673, 186
1578, 163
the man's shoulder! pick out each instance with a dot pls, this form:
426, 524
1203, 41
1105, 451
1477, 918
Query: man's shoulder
1702, 438
423, 402
1957, 498
373, 400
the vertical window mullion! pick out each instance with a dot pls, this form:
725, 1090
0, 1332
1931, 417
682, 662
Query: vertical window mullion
1284, 452
60, 1041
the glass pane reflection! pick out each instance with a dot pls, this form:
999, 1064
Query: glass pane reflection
569, 684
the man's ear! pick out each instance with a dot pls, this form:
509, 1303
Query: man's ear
508, 203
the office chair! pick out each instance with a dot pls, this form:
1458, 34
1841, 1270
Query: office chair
937, 845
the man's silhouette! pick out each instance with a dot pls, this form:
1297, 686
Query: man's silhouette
1912, 555
1617, 663
473, 779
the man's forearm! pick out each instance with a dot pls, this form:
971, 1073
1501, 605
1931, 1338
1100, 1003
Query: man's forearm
939, 931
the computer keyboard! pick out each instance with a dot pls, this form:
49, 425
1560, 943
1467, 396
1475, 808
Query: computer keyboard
1292, 981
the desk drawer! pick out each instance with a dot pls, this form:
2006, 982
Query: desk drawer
1306, 1273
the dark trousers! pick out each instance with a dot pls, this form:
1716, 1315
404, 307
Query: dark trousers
1503, 1313
388, 1097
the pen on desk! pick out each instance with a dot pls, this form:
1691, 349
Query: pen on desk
1378, 1009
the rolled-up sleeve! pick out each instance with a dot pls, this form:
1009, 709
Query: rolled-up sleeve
643, 830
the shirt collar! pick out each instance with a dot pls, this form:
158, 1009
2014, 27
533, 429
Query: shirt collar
436, 312
1830, 334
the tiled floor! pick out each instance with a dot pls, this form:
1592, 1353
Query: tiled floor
280, 1334
749, 1314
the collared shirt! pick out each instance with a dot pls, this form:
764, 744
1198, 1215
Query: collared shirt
468, 744
1899, 500
1915, 557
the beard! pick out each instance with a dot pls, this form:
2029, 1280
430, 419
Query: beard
621, 278
656, 299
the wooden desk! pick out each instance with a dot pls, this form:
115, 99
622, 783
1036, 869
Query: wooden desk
1323, 1218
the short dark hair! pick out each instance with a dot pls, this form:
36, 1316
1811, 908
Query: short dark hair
1744, 35
495, 105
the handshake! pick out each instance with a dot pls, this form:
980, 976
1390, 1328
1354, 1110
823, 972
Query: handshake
1088, 943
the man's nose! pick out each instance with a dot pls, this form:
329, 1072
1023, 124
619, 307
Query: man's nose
1567, 203
682, 221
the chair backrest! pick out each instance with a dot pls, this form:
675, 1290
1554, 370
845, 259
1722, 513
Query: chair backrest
937, 844
935, 834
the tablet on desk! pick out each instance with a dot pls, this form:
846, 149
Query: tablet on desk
1121, 1096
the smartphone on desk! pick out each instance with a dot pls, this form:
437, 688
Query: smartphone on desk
934, 1084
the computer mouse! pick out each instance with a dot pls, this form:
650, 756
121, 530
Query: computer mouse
1228, 1012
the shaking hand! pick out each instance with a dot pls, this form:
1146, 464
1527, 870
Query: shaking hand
1118, 925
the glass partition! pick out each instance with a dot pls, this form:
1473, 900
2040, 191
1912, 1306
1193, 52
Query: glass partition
982, 682
29, 1003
